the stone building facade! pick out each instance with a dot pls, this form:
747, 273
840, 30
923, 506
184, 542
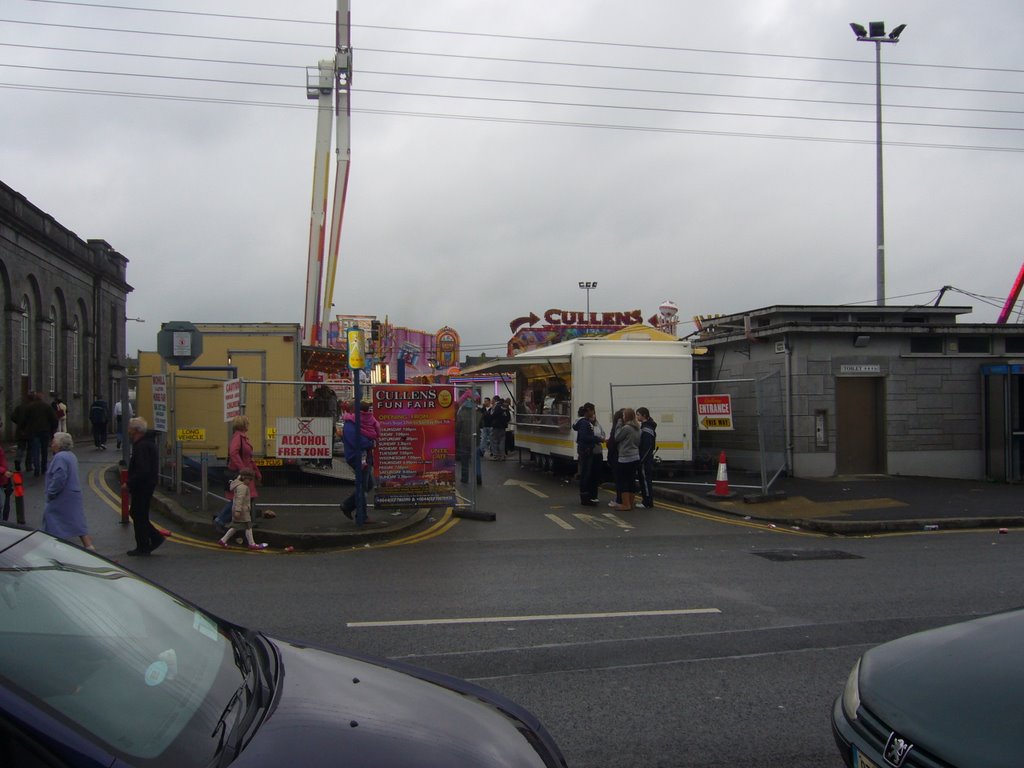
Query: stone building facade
838, 390
62, 330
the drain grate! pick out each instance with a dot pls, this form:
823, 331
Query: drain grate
792, 555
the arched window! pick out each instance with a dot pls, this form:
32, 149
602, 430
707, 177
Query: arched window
51, 348
26, 334
76, 358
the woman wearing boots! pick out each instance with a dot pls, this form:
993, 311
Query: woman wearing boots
627, 441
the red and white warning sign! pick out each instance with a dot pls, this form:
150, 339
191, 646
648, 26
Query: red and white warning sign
304, 438
714, 412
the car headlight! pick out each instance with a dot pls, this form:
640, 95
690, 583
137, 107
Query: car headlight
851, 694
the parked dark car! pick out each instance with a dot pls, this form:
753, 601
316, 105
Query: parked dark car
951, 697
99, 667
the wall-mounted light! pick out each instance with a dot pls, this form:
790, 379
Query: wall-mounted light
861, 341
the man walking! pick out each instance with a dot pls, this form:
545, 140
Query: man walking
499, 421
118, 423
40, 423
99, 415
143, 473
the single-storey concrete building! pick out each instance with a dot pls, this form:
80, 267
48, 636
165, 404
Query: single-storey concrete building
842, 390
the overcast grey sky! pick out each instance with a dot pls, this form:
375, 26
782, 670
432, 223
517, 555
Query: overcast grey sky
721, 155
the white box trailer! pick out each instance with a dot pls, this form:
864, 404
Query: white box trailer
552, 383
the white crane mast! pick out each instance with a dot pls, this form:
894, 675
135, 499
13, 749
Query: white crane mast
328, 83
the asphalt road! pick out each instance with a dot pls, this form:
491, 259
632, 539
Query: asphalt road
648, 638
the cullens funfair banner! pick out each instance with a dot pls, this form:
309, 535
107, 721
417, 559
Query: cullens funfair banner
415, 456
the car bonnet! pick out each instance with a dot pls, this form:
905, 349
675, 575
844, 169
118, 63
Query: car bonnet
335, 709
954, 691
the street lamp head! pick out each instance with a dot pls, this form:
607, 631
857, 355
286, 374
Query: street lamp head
876, 29
858, 30
895, 34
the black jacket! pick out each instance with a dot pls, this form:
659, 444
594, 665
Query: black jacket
648, 438
144, 465
500, 417
586, 440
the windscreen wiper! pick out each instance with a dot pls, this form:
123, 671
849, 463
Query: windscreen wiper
256, 694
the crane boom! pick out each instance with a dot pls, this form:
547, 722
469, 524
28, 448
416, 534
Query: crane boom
319, 85
343, 147
330, 79
1004, 314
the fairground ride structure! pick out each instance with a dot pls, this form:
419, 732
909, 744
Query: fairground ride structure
329, 83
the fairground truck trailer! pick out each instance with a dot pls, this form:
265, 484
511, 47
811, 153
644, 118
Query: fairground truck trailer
552, 383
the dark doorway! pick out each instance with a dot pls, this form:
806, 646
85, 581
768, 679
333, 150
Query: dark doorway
1004, 422
859, 426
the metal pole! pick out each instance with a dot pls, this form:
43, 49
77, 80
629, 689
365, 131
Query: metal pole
360, 488
879, 214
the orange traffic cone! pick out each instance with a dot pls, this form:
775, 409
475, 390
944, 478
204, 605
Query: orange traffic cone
722, 481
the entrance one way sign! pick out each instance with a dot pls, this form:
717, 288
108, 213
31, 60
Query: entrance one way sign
714, 412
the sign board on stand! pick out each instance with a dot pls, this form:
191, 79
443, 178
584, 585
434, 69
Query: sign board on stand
160, 403
232, 399
415, 454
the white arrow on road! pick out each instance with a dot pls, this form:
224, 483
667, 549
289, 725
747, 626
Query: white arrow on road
528, 486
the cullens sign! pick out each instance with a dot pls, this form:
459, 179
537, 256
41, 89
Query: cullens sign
567, 317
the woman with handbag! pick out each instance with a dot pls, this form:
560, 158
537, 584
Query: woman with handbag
239, 458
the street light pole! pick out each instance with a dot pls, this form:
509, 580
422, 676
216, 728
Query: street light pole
588, 286
876, 34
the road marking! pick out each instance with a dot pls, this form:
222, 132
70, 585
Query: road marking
446, 523
560, 522
527, 486
727, 520
600, 523
539, 617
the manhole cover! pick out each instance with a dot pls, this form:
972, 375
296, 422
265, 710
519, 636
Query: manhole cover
787, 555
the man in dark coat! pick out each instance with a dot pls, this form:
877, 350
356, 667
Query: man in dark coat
99, 416
40, 424
143, 474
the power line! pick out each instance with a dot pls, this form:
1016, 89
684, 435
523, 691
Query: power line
513, 121
534, 83
533, 38
168, 57
505, 100
500, 59
698, 73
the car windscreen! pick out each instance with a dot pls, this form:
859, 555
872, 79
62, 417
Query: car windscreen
136, 669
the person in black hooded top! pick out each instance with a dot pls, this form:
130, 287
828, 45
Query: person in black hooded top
588, 450
648, 442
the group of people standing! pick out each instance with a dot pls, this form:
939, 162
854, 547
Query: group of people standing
631, 444
495, 417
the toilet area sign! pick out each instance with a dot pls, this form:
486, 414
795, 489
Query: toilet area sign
179, 342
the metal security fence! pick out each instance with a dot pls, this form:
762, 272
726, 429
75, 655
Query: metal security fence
194, 447
756, 437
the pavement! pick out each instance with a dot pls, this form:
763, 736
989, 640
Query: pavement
308, 517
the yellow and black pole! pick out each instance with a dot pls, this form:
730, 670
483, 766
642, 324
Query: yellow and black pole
355, 338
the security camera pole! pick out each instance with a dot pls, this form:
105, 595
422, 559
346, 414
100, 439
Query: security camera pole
875, 33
